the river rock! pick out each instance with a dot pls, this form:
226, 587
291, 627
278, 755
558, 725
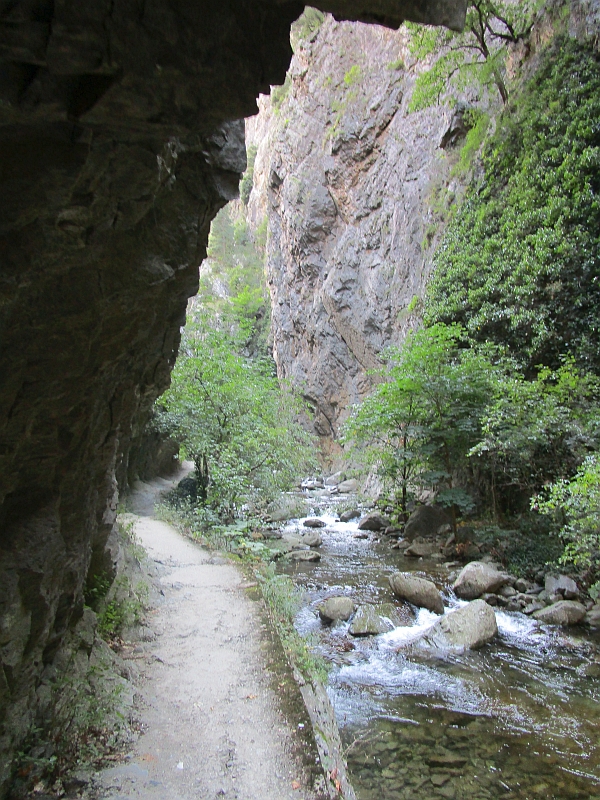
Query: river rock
478, 578
446, 759
346, 487
312, 539
565, 612
467, 628
418, 591
592, 618
312, 483
533, 607
335, 479
287, 507
561, 585
314, 522
419, 549
346, 516
336, 608
521, 585
426, 521
507, 591
304, 555
373, 522
368, 621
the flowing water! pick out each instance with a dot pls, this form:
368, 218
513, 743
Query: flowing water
518, 719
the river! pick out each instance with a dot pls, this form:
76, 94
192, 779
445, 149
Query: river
517, 720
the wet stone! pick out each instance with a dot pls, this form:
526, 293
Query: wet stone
314, 522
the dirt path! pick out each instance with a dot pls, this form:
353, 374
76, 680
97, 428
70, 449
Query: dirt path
211, 719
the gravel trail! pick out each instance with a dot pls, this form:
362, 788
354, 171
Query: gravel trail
210, 716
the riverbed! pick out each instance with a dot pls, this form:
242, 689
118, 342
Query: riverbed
518, 719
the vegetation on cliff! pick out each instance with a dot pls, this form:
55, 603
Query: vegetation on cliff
515, 296
225, 405
519, 261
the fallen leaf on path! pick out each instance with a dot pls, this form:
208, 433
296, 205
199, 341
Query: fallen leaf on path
251, 696
296, 784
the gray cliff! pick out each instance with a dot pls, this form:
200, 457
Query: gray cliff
348, 180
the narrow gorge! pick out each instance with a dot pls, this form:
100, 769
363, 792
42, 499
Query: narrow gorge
126, 127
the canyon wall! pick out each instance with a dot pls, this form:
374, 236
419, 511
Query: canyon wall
348, 180
119, 144
355, 189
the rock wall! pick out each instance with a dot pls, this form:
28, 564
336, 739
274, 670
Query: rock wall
118, 146
355, 189
347, 178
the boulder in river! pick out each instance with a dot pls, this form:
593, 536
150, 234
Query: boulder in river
304, 555
418, 591
561, 585
592, 618
565, 612
346, 487
479, 578
467, 628
335, 479
314, 522
336, 608
346, 516
426, 521
312, 539
287, 507
373, 522
419, 549
370, 620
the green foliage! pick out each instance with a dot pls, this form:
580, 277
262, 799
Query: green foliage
478, 123
396, 65
248, 176
519, 261
233, 419
306, 27
284, 601
353, 75
535, 430
575, 506
279, 93
232, 285
420, 422
125, 608
474, 56
530, 548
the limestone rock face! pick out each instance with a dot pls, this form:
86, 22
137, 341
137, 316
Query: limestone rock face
345, 175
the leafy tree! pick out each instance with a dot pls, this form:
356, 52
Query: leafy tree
520, 260
575, 504
232, 279
233, 420
421, 421
533, 431
476, 54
